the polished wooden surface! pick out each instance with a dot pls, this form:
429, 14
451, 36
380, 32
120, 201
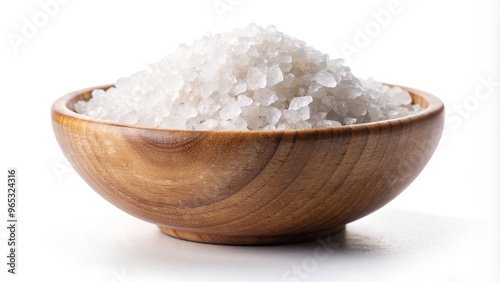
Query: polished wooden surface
253, 187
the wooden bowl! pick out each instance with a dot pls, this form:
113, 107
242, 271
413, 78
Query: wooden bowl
249, 187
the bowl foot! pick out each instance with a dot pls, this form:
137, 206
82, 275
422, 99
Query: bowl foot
247, 240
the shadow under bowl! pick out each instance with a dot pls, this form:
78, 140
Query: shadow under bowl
249, 187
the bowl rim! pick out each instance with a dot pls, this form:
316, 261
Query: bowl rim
63, 106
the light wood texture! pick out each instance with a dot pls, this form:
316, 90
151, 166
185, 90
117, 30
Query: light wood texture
255, 187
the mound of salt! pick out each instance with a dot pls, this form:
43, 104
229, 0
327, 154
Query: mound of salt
252, 78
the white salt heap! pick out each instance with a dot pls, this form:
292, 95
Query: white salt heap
250, 78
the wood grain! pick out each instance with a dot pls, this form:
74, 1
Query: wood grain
255, 187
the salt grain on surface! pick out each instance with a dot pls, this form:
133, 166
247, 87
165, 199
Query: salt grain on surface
252, 78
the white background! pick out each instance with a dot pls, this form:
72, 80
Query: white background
444, 227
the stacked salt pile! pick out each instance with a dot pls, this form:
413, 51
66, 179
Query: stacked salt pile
250, 78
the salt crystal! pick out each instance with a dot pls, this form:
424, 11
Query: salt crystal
231, 110
335, 123
244, 100
329, 101
207, 88
353, 93
269, 127
273, 115
207, 125
131, 118
281, 126
239, 123
226, 83
149, 120
416, 108
207, 106
299, 102
255, 78
349, 120
341, 108
291, 116
375, 112
357, 109
239, 87
265, 96
304, 113
285, 61
318, 116
187, 88
189, 75
187, 110
289, 81
334, 64
399, 96
313, 87
256, 123
274, 76
208, 72
303, 125
306, 79
328, 123
393, 114
325, 78
80, 107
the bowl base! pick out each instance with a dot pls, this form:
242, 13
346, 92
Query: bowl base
247, 240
